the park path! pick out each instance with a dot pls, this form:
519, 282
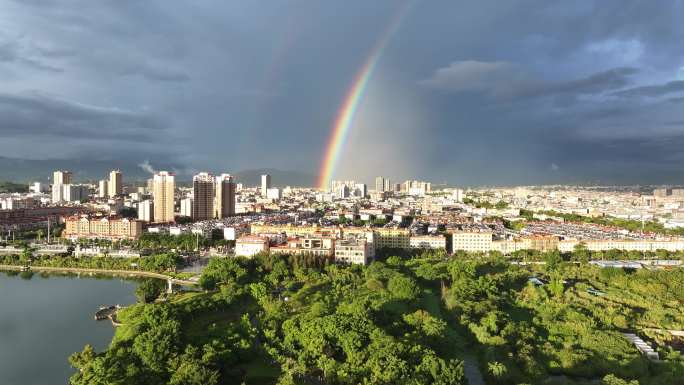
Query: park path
472, 371
137, 273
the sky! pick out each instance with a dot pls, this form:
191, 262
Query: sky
464, 92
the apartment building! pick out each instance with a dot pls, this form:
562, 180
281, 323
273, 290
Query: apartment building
164, 185
102, 227
428, 242
308, 245
471, 241
146, 210
353, 251
224, 204
623, 244
392, 237
265, 184
203, 197
62, 177
115, 184
295, 231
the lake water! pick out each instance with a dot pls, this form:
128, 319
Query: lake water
45, 319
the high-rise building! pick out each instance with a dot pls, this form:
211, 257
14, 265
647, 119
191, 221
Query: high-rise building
224, 200
103, 189
265, 184
164, 184
57, 193
342, 192
203, 196
74, 192
388, 185
360, 190
146, 211
186, 207
61, 177
114, 185
379, 183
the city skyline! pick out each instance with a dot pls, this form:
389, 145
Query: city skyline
463, 93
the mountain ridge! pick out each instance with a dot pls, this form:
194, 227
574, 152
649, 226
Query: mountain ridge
29, 170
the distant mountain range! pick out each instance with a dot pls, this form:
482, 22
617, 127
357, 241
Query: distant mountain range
28, 170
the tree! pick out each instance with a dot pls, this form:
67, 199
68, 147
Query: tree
149, 290
611, 379
580, 252
403, 288
26, 255
553, 260
81, 359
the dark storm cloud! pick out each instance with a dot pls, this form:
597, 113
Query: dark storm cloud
32, 115
511, 92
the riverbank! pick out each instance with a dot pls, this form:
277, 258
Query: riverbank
130, 273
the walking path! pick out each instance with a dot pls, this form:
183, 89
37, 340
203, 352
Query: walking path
472, 371
134, 273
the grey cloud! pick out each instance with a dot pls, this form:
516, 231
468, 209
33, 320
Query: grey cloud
505, 80
10, 53
473, 75
157, 73
35, 114
653, 90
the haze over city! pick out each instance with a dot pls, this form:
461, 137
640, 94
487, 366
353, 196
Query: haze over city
464, 92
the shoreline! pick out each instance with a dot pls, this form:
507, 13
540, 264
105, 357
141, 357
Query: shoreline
134, 273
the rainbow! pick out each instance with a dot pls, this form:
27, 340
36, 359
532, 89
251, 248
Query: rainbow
345, 115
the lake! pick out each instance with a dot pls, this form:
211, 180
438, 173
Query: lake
46, 318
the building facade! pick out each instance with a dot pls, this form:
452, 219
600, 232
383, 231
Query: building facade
428, 242
250, 245
146, 211
203, 197
115, 184
103, 188
265, 184
224, 205
102, 227
164, 186
471, 241
352, 251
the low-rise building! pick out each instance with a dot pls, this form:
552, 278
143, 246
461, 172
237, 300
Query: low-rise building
642, 245
317, 246
102, 227
356, 251
250, 245
471, 241
428, 242
392, 237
